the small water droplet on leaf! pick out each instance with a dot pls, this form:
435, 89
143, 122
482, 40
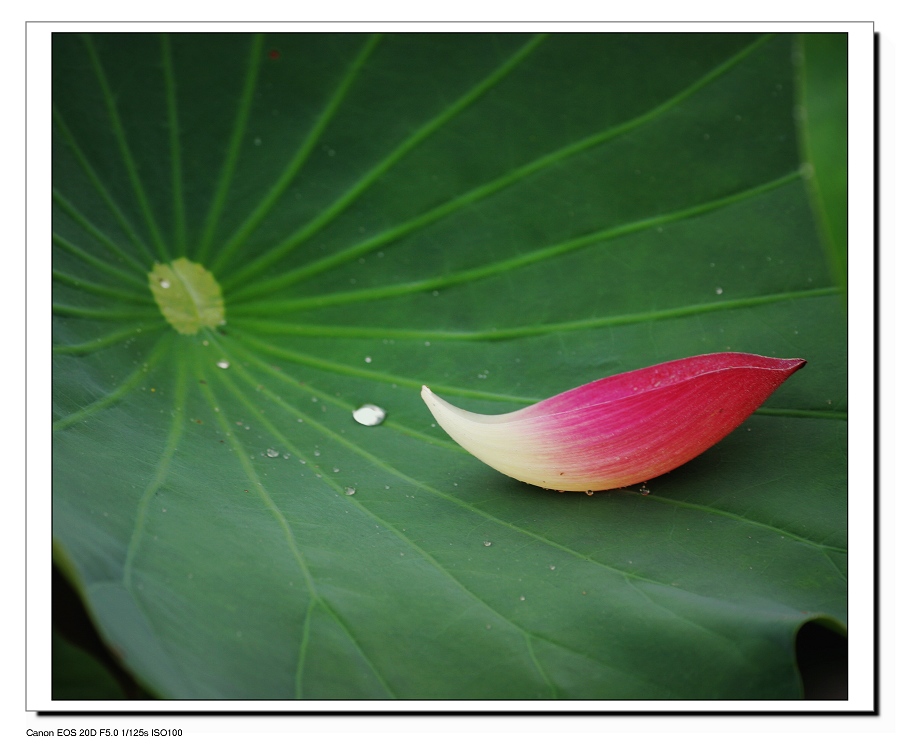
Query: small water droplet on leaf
369, 415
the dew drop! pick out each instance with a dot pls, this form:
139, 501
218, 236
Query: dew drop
487, 543
163, 283
521, 597
336, 470
349, 490
317, 452
223, 364
589, 492
272, 453
718, 290
644, 490
369, 415
368, 360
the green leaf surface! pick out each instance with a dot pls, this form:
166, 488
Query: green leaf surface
502, 217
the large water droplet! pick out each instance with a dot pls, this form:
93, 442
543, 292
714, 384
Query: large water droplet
369, 415
349, 490
272, 453
223, 364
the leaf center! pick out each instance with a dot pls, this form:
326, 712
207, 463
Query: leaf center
188, 295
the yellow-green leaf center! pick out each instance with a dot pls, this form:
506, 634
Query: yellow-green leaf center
188, 295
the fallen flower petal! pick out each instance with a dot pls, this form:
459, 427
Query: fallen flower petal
622, 429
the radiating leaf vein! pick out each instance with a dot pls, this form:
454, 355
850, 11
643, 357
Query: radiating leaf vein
161, 348
330, 213
506, 266
124, 150
481, 192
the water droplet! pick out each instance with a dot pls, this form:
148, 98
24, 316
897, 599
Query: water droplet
552, 568
336, 470
521, 597
349, 490
223, 364
272, 453
718, 290
644, 490
589, 492
163, 283
369, 415
368, 360
487, 543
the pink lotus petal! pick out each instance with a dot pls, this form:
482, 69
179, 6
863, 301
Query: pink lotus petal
622, 429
